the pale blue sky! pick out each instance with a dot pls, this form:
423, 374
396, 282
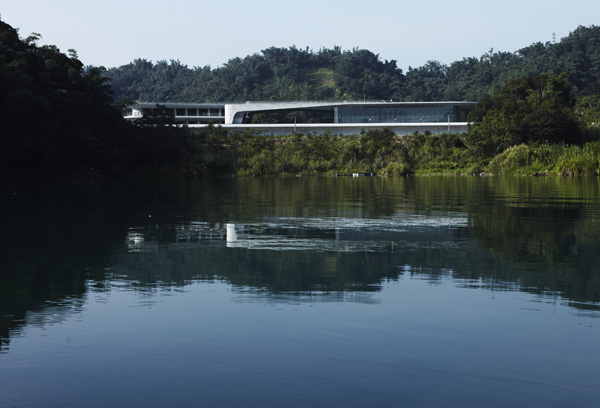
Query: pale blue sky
199, 33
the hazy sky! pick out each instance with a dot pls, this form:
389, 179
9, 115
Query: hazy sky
198, 33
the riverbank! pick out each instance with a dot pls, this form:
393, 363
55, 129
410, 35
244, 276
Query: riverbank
174, 152
380, 151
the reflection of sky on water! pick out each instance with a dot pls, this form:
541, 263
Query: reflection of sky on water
212, 334
119, 291
253, 295
48, 314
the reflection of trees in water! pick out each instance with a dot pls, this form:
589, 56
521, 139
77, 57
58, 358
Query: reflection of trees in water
273, 271
528, 235
327, 267
534, 235
547, 231
58, 237
41, 290
49, 313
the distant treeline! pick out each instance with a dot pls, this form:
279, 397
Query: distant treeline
302, 74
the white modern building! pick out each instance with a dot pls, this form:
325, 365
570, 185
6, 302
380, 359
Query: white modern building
335, 117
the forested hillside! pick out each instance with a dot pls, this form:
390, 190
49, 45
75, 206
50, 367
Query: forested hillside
58, 118
303, 74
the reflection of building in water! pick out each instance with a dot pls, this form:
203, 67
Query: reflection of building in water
231, 234
135, 240
339, 234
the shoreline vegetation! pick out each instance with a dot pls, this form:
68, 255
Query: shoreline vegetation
60, 121
214, 152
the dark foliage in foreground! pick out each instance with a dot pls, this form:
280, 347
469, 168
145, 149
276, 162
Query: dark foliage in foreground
57, 116
58, 119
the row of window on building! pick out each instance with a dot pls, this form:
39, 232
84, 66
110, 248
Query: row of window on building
427, 114
191, 111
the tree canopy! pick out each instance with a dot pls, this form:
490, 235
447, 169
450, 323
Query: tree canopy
534, 109
57, 115
274, 74
334, 74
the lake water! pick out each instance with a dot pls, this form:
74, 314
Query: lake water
301, 292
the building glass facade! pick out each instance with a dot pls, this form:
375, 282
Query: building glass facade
399, 114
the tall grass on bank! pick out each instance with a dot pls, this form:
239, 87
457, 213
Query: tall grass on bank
214, 151
548, 159
583, 161
376, 151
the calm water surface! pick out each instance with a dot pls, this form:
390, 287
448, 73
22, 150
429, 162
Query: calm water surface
301, 292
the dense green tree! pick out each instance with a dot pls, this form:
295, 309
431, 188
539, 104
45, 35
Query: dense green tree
588, 109
360, 74
274, 74
57, 115
535, 109
294, 74
426, 82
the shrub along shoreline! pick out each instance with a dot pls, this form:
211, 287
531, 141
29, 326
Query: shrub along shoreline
214, 152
